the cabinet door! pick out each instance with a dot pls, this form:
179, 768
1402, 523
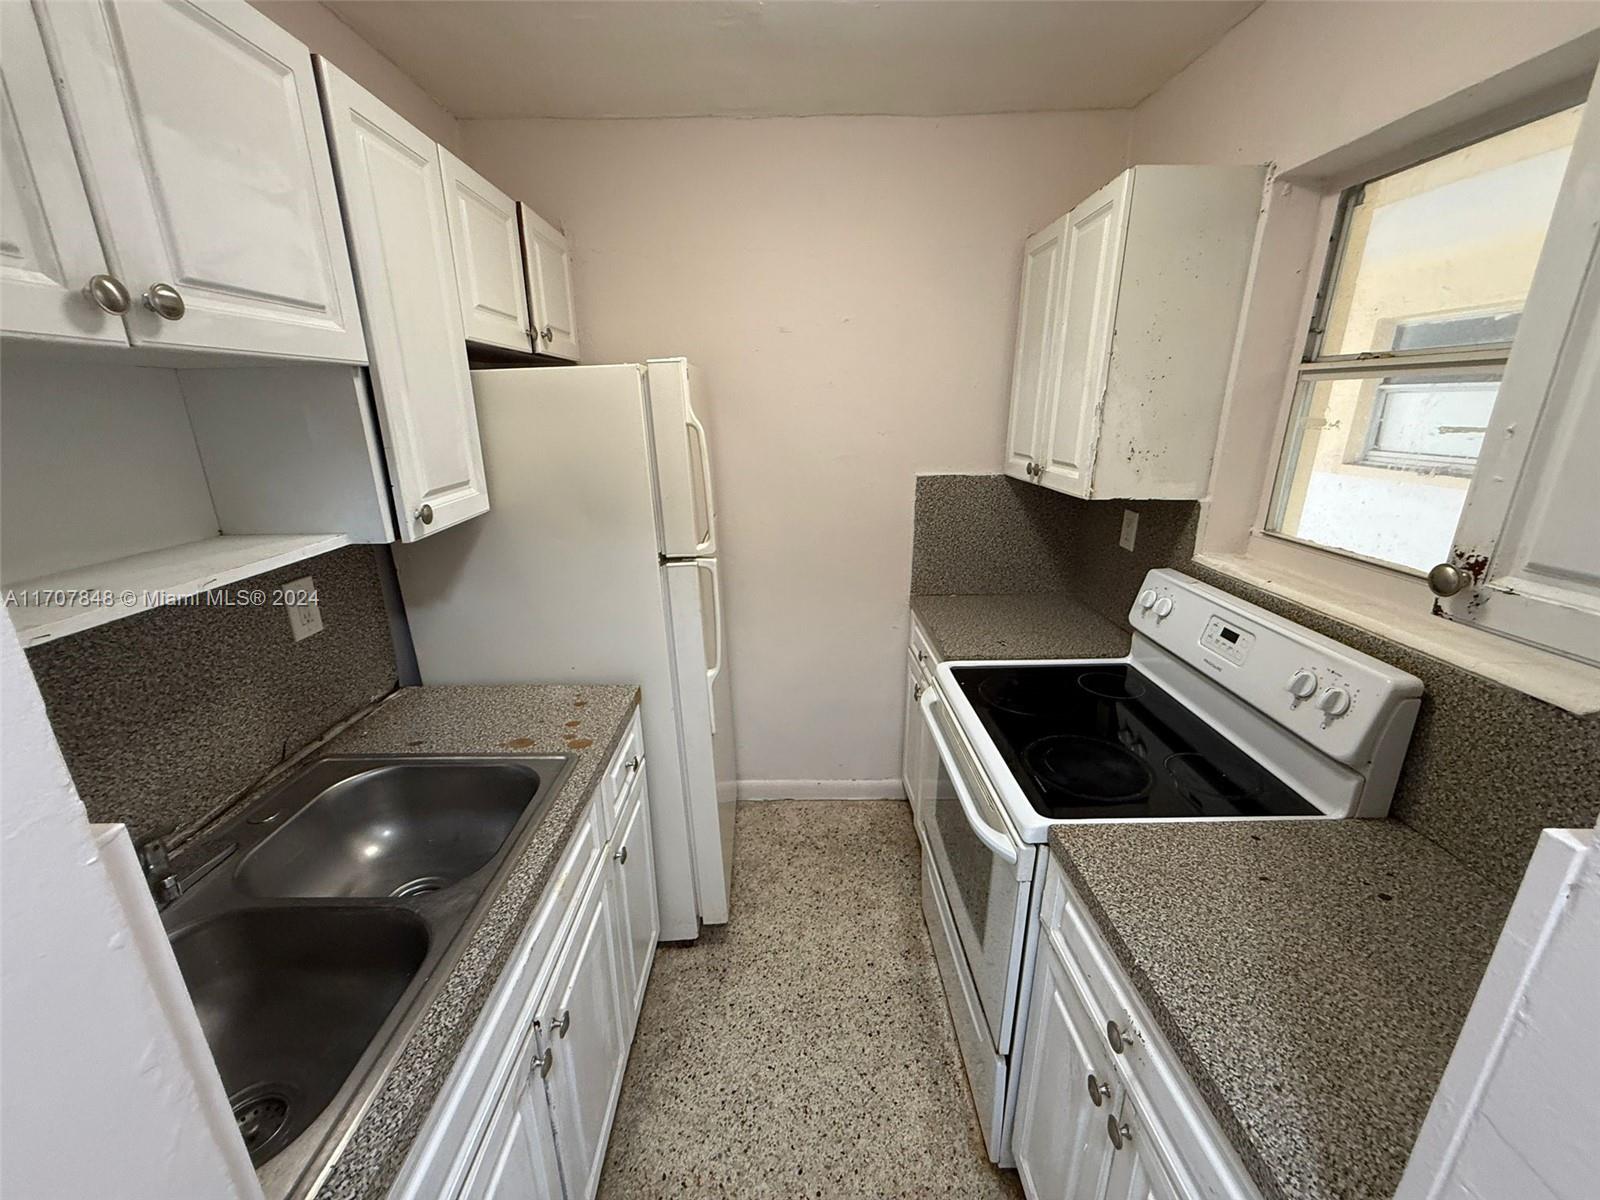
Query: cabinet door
394, 201
517, 1158
1137, 1171
636, 914
913, 755
1084, 315
588, 1043
555, 316
203, 146
1035, 348
1060, 1141
488, 257
49, 249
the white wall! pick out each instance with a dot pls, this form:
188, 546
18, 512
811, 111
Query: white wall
330, 37
1292, 82
105, 1092
848, 284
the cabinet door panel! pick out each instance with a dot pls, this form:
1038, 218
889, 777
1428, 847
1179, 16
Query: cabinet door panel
517, 1159
1137, 1172
1060, 1141
555, 315
49, 248
590, 1055
1085, 313
1036, 346
488, 257
203, 144
638, 919
394, 202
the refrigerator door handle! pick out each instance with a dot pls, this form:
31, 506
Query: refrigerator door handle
709, 565
705, 477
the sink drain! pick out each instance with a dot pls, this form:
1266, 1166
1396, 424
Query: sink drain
262, 1113
418, 887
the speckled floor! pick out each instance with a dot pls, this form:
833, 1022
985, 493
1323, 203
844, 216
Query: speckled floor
805, 1048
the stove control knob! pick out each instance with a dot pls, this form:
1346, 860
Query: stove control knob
1147, 599
1163, 607
1302, 686
1334, 702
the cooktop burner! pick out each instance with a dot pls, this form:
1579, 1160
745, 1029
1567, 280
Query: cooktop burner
1101, 740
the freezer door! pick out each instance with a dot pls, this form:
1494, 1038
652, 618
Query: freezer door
705, 718
683, 459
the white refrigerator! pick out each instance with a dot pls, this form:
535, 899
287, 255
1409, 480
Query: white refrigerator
597, 562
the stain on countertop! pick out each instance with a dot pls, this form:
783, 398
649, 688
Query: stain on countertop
1312, 977
528, 719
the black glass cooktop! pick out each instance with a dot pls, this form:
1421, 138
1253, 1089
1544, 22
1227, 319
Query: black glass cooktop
1102, 740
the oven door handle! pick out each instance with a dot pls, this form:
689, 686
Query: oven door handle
998, 843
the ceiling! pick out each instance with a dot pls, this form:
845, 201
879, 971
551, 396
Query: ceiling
656, 58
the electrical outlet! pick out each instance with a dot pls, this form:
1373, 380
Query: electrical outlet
1130, 528
300, 599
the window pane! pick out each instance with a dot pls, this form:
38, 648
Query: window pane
1441, 254
1378, 465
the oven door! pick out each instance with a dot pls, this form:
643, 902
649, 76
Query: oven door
985, 873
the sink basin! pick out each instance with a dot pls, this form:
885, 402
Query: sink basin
289, 999
315, 928
401, 829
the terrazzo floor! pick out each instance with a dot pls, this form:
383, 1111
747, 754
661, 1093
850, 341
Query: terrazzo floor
804, 1049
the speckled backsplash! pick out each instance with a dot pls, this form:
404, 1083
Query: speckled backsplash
1489, 766
167, 716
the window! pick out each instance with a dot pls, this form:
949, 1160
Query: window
1423, 292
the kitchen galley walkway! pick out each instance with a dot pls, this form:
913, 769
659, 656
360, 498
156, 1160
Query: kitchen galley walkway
805, 1048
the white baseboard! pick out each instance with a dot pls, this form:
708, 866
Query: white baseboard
821, 789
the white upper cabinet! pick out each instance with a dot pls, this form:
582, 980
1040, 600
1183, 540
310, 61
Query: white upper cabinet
1125, 333
201, 144
1041, 265
488, 257
394, 202
555, 317
1526, 555
49, 250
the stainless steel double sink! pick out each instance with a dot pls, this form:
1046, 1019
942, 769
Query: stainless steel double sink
327, 916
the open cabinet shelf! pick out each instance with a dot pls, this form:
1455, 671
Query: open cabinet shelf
52, 606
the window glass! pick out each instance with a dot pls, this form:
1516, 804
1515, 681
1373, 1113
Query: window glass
1458, 234
1429, 261
1378, 466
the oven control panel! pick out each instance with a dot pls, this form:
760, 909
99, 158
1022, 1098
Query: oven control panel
1340, 700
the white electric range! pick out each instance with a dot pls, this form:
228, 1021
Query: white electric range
1221, 711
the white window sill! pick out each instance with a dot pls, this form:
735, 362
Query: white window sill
1549, 677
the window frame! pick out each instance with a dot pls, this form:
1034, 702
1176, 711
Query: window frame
1339, 199
1300, 202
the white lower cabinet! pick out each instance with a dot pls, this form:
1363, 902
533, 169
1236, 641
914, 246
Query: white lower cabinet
636, 914
583, 1028
918, 757
1060, 1141
1105, 1111
527, 1111
518, 1158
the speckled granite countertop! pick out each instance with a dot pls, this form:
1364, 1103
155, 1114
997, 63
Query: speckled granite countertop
1311, 975
585, 720
1025, 625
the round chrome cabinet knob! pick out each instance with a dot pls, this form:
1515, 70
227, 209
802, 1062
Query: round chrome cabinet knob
108, 294
425, 514
1334, 702
1447, 579
1118, 1132
1098, 1092
1163, 608
1147, 599
165, 301
1303, 684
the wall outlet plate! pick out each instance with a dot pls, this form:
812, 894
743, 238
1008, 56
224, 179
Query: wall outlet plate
1130, 528
299, 598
